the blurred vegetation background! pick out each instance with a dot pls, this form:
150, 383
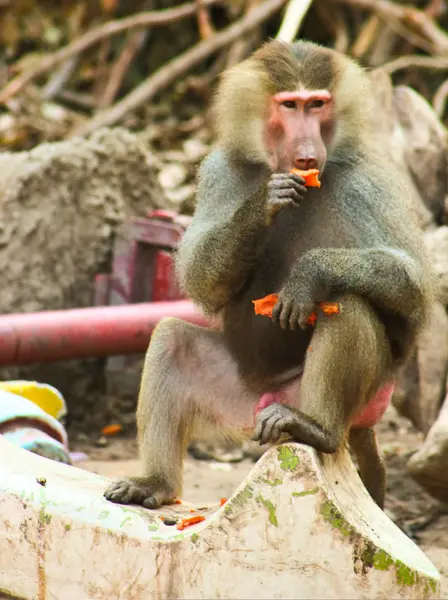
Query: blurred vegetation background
80, 73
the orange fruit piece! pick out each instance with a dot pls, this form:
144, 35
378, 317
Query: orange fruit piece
264, 306
112, 429
188, 522
311, 177
331, 308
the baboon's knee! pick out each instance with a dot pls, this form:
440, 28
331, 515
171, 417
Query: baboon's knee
170, 342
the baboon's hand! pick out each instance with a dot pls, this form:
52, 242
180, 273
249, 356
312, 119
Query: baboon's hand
296, 301
284, 189
272, 422
150, 492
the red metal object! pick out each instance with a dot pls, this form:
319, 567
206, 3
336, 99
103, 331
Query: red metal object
78, 333
129, 302
143, 263
164, 280
143, 270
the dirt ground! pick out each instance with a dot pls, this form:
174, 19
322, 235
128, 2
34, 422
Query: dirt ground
423, 519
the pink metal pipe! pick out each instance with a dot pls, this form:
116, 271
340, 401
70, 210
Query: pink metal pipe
79, 333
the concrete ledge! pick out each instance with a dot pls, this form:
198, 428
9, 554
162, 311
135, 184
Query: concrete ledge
301, 525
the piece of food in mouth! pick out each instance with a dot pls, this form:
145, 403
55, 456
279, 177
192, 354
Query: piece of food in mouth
311, 177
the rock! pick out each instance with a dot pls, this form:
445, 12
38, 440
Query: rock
7, 122
436, 241
195, 149
432, 363
429, 465
181, 195
102, 442
61, 204
300, 525
421, 382
225, 452
406, 398
425, 147
253, 450
172, 176
416, 140
54, 112
173, 156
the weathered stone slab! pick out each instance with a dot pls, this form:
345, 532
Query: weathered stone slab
301, 525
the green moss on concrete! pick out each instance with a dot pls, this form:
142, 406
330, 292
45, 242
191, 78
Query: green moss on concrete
289, 461
133, 513
271, 508
125, 520
431, 586
240, 499
382, 560
370, 556
27, 497
331, 514
405, 575
44, 517
271, 482
305, 493
150, 520
6, 593
367, 554
68, 527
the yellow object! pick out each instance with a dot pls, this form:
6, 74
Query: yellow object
44, 395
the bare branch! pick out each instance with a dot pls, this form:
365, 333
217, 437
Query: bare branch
366, 37
416, 20
60, 78
92, 37
205, 26
242, 47
438, 63
440, 99
333, 19
135, 41
382, 48
294, 15
178, 66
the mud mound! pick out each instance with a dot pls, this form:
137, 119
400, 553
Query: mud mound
61, 204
